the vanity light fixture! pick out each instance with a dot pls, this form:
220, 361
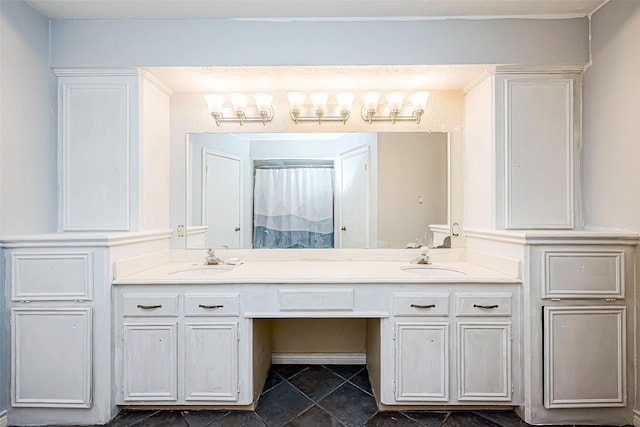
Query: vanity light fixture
320, 109
394, 109
240, 111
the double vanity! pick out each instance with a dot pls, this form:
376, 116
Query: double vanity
112, 323
441, 332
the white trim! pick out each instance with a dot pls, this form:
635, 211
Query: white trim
319, 358
556, 237
97, 72
68, 240
155, 82
476, 82
3, 419
524, 69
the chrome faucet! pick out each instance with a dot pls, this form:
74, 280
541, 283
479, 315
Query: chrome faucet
423, 258
212, 259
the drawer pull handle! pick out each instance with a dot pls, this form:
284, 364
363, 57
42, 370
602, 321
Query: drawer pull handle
486, 307
423, 306
149, 307
210, 306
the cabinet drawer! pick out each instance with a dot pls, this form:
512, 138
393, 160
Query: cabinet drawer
498, 304
51, 276
316, 299
211, 305
594, 273
150, 305
420, 304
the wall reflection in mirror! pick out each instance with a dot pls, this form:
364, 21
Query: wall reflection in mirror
316, 190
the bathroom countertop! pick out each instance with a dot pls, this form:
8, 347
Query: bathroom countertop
317, 272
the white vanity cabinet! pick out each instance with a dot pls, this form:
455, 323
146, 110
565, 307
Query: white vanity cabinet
181, 345
484, 330
453, 346
579, 331
149, 338
584, 317
421, 341
51, 326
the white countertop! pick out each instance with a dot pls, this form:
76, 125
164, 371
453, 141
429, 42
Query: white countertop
316, 272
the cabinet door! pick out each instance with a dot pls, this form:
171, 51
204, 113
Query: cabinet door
484, 361
51, 357
97, 127
150, 361
584, 357
211, 361
539, 152
422, 362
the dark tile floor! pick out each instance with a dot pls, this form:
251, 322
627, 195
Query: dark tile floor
316, 396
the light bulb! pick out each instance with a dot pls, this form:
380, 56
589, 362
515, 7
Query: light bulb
319, 101
419, 100
394, 100
370, 100
345, 100
214, 102
263, 101
296, 100
239, 102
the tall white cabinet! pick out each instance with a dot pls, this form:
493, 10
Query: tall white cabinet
522, 150
113, 150
522, 197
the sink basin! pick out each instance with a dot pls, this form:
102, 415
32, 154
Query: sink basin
427, 270
202, 271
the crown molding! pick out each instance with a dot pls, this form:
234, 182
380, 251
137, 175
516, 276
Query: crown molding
525, 69
113, 72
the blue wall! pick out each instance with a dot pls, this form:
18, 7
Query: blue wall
205, 42
28, 202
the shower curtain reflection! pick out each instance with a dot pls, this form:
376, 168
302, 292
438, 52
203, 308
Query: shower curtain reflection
293, 207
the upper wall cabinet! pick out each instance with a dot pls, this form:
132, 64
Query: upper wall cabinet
113, 141
532, 141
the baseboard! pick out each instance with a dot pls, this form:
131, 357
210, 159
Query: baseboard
636, 418
3, 419
319, 358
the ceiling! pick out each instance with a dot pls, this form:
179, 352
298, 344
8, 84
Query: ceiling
310, 9
361, 78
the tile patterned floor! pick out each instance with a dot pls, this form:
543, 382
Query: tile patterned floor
316, 396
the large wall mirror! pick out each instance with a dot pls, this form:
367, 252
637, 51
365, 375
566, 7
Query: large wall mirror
316, 190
